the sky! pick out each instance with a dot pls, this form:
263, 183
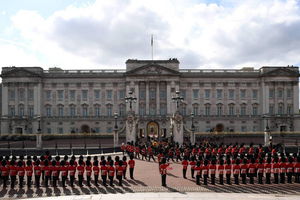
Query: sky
103, 34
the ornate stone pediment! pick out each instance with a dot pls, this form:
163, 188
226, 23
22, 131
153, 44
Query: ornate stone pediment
152, 69
283, 71
19, 72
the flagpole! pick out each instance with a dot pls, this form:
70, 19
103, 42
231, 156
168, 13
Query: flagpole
152, 46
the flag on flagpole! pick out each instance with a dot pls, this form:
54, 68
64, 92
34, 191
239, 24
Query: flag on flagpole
152, 40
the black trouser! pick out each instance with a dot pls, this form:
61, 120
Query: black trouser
171, 157
221, 179
228, 181
119, 177
37, 180
282, 177
43, 175
289, 177
29, 178
268, 178
63, 180
244, 178
12, 181
144, 156
297, 177
21, 181
163, 179
124, 173
205, 176
213, 179
252, 178
111, 180
88, 180
131, 172
178, 157
260, 178
47, 180
80, 180
104, 177
4, 178
54, 180
192, 173
151, 156
96, 179
184, 173
236, 179
198, 179
276, 178
72, 178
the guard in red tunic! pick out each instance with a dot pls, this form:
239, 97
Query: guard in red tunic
228, 168
260, 171
88, 172
163, 171
119, 170
111, 173
80, 170
21, 173
104, 173
192, 164
47, 172
221, 171
244, 168
276, 170
297, 170
289, 170
29, 172
185, 164
54, 172
63, 172
96, 172
236, 171
198, 172
178, 154
282, 170
212, 171
72, 171
4, 172
13, 170
37, 173
204, 170
252, 170
124, 165
268, 167
131, 164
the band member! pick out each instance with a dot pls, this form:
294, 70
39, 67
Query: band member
212, 171
13, 170
204, 170
221, 171
268, 167
54, 171
163, 171
111, 173
185, 164
289, 170
178, 154
124, 165
72, 171
37, 173
171, 154
117, 164
47, 172
137, 152
80, 170
228, 171
276, 170
104, 172
282, 170
21, 173
244, 168
144, 153
150, 153
42, 165
192, 164
297, 170
119, 172
198, 172
236, 171
88, 172
29, 172
252, 170
64, 172
260, 171
131, 164
4, 172
96, 172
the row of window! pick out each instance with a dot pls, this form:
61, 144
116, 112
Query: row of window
84, 94
21, 94
280, 93
60, 130
21, 111
152, 94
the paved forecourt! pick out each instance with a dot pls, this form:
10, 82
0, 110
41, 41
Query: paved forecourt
147, 179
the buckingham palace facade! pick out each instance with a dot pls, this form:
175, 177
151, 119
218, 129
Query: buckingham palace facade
84, 101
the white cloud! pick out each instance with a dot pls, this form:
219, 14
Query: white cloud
106, 33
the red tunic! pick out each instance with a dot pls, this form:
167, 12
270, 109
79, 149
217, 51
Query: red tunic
228, 169
54, 170
111, 171
297, 167
80, 170
252, 168
163, 168
198, 170
88, 170
276, 168
21, 171
268, 167
47, 170
205, 170
289, 167
72, 170
13, 170
131, 163
96, 170
64, 170
282, 167
37, 170
236, 169
192, 164
260, 168
244, 168
120, 171
4, 170
212, 169
221, 169
29, 170
185, 164
104, 170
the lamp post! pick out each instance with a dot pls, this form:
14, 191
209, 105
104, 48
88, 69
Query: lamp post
267, 134
130, 99
116, 136
192, 129
39, 134
178, 99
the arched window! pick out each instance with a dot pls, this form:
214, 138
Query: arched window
219, 109
72, 110
280, 109
255, 109
109, 110
85, 112
122, 110
207, 109
21, 110
243, 109
60, 110
48, 110
231, 109
97, 110
195, 109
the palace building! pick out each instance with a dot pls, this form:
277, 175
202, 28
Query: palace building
84, 101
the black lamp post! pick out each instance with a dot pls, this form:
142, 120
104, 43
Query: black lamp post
116, 137
38, 135
192, 129
178, 99
130, 99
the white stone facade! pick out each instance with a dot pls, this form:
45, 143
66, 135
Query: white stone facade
76, 101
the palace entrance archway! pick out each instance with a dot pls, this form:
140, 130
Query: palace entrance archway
153, 130
85, 129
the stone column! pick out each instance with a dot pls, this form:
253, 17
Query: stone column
5, 99
136, 94
157, 99
169, 98
147, 98
295, 97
